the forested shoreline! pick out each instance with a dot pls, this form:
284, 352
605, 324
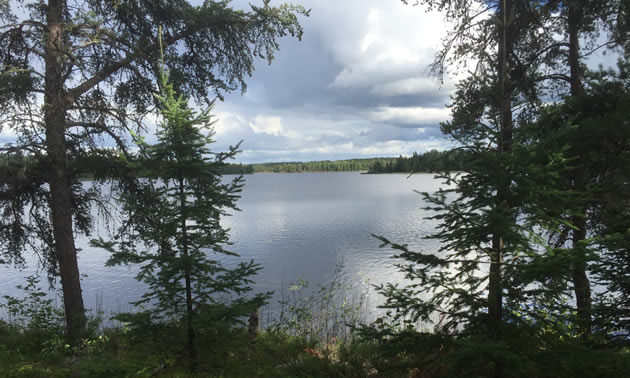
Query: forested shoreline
430, 161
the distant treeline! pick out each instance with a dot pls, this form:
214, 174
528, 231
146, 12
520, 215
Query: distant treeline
430, 161
349, 165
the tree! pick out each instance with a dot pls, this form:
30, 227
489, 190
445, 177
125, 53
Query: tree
497, 288
571, 31
592, 130
77, 75
494, 273
478, 216
177, 212
608, 102
581, 25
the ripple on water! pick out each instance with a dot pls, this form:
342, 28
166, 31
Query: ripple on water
297, 226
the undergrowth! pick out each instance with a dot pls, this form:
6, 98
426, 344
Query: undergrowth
311, 336
315, 335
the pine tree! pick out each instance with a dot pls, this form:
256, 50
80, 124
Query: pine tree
592, 130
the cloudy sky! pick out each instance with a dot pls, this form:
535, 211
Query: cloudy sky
355, 86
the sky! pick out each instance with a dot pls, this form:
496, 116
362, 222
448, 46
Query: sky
355, 86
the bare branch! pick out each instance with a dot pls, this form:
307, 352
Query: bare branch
103, 129
554, 77
22, 24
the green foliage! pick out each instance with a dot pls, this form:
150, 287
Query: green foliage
93, 65
33, 337
24, 220
109, 84
141, 347
149, 349
175, 232
349, 165
498, 290
35, 313
593, 131
430, 161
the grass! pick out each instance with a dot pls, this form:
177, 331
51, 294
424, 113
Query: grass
159, 352
311, 337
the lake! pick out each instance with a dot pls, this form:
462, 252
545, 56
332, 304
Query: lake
297, 226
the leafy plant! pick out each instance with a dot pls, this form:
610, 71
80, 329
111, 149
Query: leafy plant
35, 313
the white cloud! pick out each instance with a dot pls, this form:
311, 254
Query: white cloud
341, 151
410, 115
381, 41
394, 147
267, 125
345, 89
7, 132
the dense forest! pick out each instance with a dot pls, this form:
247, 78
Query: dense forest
532, 276
430, 161
350, 165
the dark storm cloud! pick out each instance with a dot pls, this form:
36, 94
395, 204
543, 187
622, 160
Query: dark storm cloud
299, 75
356, 85
365, 99
305, 72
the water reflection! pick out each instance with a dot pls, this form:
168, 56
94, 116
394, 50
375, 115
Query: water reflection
297, 226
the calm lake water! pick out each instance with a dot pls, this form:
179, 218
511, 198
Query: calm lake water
297, 226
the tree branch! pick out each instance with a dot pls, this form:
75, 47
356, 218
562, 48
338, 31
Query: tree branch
103, 74
554, 77
103, 129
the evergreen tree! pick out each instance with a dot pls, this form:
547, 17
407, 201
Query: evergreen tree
174, 231
551, 51
496, 287
592, 131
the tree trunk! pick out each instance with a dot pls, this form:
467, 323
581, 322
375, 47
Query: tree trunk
495, 285
581, 284
575, 19
495, 297
189, 301
495, 292
59, 179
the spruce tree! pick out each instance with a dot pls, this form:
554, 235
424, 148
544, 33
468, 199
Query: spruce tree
174, 231
592, 131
